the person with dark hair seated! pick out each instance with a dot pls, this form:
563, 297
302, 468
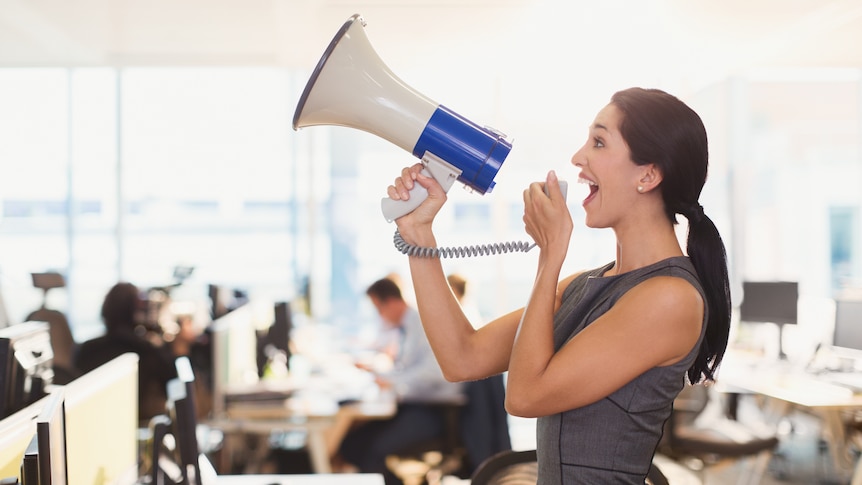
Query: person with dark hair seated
125, 333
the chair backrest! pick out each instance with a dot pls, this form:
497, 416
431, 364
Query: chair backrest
717, 437
687, 406
484, 421
508, 468
62, 342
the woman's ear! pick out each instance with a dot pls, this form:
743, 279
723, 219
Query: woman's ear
650, 178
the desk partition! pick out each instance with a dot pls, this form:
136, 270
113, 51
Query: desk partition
234, 354
16, 431
102, 424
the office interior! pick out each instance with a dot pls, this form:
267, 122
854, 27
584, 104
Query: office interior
152, 142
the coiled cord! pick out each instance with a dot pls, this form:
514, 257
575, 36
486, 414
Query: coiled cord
460, 252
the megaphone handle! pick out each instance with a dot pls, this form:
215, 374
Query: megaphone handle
393, 209
443, 172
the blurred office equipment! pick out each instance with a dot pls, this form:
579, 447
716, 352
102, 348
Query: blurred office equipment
25, 365
847, 334
844, 367
484, 421
49, 454
770, 302
16, 433
179, 462
319, 399
181, 405
507, 468
102, 424
4, 314
476, 428
273, 344
716, 439
62, 342
224, 300
194, 468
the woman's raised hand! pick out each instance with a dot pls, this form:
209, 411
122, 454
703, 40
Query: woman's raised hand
425, 213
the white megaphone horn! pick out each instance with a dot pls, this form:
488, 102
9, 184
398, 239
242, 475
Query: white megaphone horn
352, 87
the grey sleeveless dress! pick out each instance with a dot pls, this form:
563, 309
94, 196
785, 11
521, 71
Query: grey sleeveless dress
611, 441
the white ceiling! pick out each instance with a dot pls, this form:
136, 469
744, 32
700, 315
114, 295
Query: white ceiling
670, 33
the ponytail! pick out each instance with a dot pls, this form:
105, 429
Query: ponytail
662, 130
707, 253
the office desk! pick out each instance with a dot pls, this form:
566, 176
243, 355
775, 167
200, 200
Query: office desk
323, 479
787, 388
322, 419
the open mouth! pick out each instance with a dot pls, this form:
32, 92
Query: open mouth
594, 188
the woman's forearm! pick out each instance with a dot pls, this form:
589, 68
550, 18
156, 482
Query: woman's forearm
533, 346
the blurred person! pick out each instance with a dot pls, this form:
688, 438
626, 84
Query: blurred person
416, 380
458, 283
125, 332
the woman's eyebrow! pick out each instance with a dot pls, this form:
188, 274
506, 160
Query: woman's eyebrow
599, 126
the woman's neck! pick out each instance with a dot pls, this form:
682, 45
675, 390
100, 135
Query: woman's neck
644, 245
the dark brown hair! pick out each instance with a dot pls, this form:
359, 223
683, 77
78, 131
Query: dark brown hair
662, 130
120, 306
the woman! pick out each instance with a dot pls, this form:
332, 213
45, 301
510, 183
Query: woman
125, 333
598, 356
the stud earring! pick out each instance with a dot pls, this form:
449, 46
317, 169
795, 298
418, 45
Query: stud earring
640, 188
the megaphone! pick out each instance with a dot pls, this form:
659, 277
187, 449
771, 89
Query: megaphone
352, 87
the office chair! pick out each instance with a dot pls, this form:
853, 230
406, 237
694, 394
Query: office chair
700, 443
521, 468
507, 468
429, 461
62, 342
476, 428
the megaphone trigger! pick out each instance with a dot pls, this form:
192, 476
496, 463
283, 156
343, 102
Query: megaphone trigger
443, 172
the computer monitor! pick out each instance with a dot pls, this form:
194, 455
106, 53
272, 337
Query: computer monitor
277, 336
51, 438
770, 302
4, 314
16, 432
847, 335
218, 301
224, 300
26, 365
234, 345
30, 463
102, 424
182, 410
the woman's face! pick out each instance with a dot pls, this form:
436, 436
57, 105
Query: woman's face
607, 168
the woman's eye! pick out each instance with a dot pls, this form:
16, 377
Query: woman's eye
598, 143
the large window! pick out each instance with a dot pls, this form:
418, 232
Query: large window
34, 182
124, 174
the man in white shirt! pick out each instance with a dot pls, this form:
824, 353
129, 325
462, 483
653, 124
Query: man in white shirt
415, 378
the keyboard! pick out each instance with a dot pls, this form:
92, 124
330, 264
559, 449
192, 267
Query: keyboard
850, 380
262, 396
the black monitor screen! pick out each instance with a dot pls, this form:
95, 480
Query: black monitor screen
218, 303
848, 325
25, 365
44, 460
51, 434
30, 463
277, 337
181, 406
769, 302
